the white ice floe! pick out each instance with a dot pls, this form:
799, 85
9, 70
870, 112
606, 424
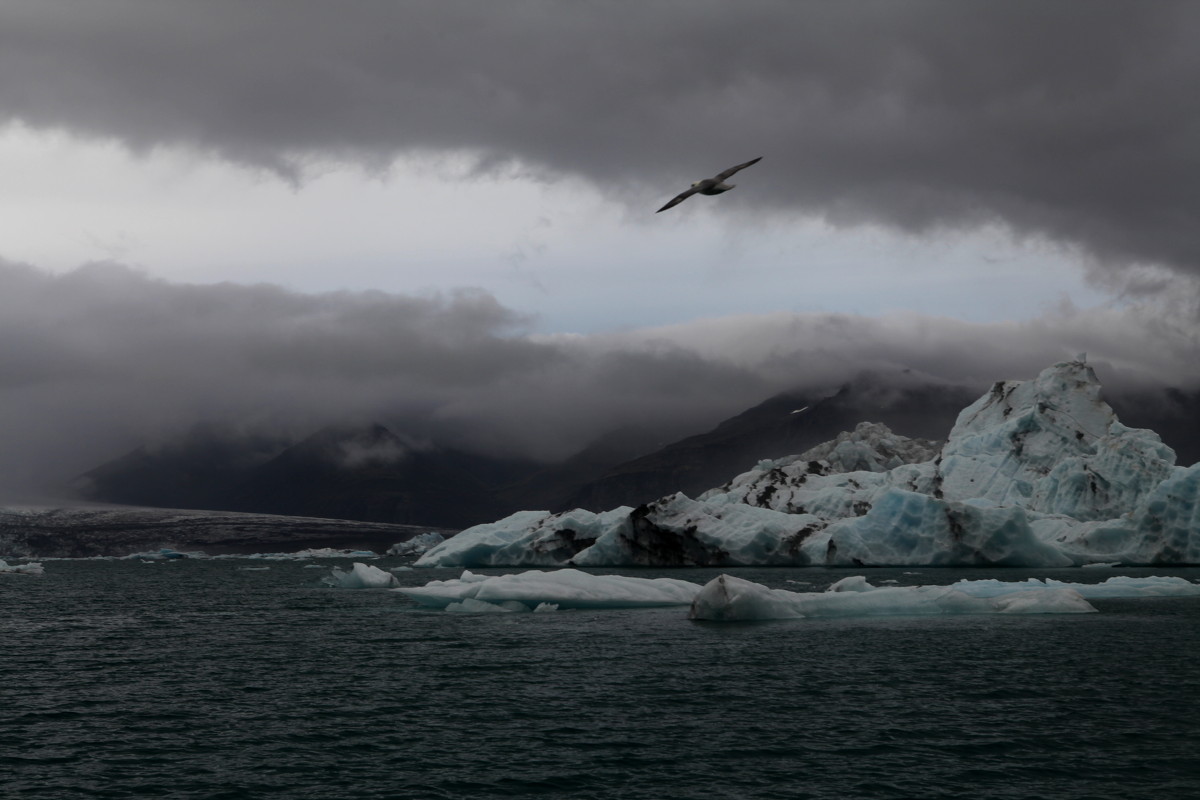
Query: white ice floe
360, 576
728, 599
29, 568
1117, 586
563, 589
1035, 473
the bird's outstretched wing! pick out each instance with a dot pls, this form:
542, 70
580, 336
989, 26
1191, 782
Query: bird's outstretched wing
679, 198
729, 173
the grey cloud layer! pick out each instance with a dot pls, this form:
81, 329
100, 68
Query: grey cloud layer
103, 359
1074, 120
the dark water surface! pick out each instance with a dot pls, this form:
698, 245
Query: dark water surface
204, 679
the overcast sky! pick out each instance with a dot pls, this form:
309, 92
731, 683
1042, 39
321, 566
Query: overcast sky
451, 206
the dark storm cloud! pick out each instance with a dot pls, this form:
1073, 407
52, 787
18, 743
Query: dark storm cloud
103, 359
1072, 120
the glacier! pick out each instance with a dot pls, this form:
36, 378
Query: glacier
1037, 473
728, 598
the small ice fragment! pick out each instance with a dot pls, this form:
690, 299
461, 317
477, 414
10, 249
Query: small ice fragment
32, 568
360, 576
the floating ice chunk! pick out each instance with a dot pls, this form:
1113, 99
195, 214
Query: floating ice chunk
1101, 564
851, 583
31, 568
299, 555
163, 554
417, 545
526, 538
564, 588
361, 576
329, 552
726, 598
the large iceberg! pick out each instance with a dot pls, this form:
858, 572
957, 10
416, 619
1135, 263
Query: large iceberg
1036, 473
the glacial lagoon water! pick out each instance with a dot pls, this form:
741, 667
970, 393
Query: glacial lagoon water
251, 679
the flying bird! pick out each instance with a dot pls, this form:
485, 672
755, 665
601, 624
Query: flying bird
714, 185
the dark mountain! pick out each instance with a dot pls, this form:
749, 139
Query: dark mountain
775, 428
554, 486
371, 474
366, 474
196, 471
